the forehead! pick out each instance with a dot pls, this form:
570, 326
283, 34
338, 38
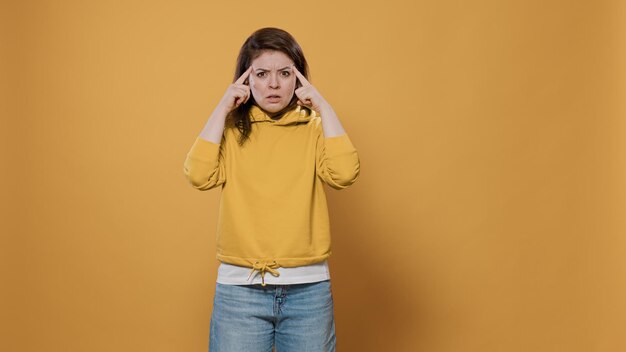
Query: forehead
272, 60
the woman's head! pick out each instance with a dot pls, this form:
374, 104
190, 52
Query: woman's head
271, 52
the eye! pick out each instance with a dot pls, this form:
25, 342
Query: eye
260, 74
286, 73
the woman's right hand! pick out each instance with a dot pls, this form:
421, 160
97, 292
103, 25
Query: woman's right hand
237, 93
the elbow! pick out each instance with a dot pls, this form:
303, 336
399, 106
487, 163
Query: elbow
200, 182
343, 180
201, 185
343, 183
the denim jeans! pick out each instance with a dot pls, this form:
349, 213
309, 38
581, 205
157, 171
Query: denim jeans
251, 318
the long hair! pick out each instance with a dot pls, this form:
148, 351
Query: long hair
261, 40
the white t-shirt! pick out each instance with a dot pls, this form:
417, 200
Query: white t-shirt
229, 274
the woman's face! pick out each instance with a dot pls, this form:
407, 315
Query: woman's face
272, 81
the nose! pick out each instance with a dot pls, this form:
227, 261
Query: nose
274, 81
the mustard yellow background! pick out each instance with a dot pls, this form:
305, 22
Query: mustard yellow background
489, 214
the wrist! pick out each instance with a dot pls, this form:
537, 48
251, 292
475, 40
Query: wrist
325, 109
221, 109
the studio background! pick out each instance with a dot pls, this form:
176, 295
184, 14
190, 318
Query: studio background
489, 214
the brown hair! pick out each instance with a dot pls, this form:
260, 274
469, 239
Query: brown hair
264, 39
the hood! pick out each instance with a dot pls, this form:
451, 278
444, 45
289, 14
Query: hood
294, 116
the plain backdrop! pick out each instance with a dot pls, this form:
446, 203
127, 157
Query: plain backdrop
489, 214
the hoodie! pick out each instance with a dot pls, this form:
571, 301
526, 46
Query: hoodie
273, 211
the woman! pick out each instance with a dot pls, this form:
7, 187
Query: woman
271, 143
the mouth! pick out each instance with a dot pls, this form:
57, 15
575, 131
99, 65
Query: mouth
273, 98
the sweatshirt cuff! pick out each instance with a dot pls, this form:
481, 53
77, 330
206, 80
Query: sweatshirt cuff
203, 149
338, 144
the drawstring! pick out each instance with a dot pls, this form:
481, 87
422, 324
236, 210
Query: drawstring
262, 268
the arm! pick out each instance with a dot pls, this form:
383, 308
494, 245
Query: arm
337, 160
330, 121
204, 166
214, 127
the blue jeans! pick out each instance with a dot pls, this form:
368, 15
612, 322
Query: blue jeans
250, 318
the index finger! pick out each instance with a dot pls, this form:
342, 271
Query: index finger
302, 79
243, 76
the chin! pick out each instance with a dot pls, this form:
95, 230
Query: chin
273, 108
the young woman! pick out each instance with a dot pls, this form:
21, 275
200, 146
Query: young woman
271, 143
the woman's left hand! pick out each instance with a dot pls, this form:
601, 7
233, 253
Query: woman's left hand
307, 94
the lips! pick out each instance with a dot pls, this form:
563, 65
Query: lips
273, 98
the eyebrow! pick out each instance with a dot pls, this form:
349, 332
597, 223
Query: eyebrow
280, 69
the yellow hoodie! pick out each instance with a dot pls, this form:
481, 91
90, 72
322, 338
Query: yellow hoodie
273, 210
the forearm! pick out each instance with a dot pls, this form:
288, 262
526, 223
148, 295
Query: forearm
214, 127
330, 122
